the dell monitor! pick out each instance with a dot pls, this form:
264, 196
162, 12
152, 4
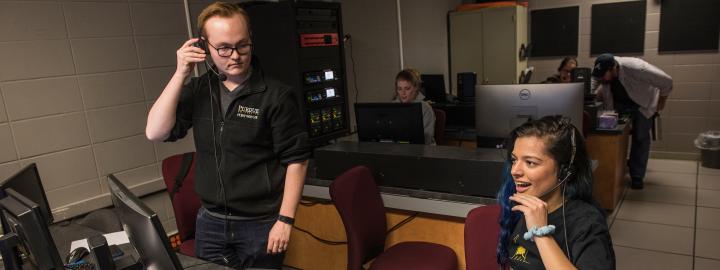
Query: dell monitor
434, 85
143, 228
390, 122
26, 222
27, 182
501, 108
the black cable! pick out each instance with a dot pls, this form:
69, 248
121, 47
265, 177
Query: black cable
324, 241
335, 243
311, 203
354, 69
401, 223
215, 146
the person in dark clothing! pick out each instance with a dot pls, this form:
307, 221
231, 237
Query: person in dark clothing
564, 71
250, 140
548, 217
633, 87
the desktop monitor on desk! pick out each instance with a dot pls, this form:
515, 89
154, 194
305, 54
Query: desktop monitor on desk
27, 182
434, 85
582, 75
390, 122
501, 108
27, 233
466, 82
143, 228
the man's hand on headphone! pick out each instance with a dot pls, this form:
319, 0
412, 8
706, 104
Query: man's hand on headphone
187, 56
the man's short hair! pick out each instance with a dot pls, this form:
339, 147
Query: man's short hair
223, 10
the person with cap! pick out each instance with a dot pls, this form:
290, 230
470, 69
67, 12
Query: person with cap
636, 88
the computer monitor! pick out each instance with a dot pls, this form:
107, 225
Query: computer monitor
27, 182
466, 82
390, 122
434, 85
582, 74
26, 221
143, 228
501, 108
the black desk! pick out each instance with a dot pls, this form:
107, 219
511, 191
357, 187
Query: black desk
425, 168
186, 261
66, 232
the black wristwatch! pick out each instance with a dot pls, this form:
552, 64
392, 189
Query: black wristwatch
287, 220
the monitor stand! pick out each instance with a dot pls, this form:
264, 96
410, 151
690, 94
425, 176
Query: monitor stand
8, 250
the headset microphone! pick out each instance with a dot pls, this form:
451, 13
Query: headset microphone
222, 77
567, 175
201, 43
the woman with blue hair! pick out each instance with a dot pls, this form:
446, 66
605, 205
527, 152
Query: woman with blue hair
548, 217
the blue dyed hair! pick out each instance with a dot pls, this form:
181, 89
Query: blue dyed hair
557, 134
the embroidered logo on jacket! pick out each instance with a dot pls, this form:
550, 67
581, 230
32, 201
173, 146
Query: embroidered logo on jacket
248, 112
520, 255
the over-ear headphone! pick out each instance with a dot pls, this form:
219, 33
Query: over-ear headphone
202, 43
567, 170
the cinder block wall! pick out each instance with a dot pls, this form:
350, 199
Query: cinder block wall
693, 106
77, 79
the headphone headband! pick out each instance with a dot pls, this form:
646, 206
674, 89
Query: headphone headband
566, 170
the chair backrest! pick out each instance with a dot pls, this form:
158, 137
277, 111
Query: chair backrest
186, 202
357, 199
481, 237
440, 120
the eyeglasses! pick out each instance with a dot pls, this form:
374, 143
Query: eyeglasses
241, 49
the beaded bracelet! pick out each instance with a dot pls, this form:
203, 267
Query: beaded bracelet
542, 231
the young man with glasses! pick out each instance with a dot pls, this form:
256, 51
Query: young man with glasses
250, 140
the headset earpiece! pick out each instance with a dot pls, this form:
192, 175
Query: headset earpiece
202, 44
565, 173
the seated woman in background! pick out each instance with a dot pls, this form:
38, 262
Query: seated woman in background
563, 75
407, 90
548, 217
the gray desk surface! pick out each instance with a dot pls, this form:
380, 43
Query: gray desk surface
417, 150
400, 199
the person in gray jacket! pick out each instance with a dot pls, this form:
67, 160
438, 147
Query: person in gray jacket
633, 87
407, 90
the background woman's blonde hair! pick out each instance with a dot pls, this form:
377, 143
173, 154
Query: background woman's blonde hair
411, 75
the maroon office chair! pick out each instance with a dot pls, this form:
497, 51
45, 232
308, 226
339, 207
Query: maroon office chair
440, 120
357, 199
587, 124
185, 201
481, 237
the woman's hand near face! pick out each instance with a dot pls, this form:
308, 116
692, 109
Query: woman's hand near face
533, 208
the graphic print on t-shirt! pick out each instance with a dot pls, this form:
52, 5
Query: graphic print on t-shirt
520, 255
